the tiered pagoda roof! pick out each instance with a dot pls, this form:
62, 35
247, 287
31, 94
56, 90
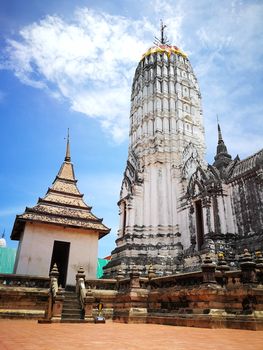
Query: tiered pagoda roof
62, 205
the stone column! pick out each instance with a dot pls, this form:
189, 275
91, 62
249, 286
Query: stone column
80, 274
88, 306
54, 272
208, 269
151, 272
56, 297
119, 277
259, 267
53, 285
222, 267
248, 266
222, 264
136, 299
134, 278
57, 306
206, 204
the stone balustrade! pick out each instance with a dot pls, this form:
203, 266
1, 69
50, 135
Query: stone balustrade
212, 297
177, 280
102, 284
56, 297
13, 280
86, 296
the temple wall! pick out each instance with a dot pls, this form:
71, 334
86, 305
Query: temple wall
36, 250
247, 204
213, 297
225, 300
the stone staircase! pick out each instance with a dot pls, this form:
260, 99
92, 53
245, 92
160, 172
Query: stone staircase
72, 311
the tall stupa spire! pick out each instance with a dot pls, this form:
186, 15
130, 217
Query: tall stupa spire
166, 146
67, 157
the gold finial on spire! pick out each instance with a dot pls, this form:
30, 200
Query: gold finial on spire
67, 158
163, 40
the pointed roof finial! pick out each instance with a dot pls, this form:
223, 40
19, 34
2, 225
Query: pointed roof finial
222, 158
163, 40
163, 26
220, 138
67, 158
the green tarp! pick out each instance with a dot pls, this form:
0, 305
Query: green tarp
101, 263
7, 260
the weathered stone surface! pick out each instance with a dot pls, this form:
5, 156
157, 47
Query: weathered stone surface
23, 302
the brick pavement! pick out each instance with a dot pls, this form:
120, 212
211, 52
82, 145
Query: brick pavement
29, 335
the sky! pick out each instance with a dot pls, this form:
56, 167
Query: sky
70, 64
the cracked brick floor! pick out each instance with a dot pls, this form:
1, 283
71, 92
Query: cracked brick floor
29, 335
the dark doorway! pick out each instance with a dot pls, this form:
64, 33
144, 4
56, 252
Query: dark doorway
199, 224
60, 257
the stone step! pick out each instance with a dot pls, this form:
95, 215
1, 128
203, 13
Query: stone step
69, 308
72, 312
71, 299
69, 293
75, 301
72, 321
71, 317
71, 305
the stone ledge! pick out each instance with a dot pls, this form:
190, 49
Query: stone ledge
23, 313
207, 321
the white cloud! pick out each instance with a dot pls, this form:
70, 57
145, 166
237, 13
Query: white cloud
90, 60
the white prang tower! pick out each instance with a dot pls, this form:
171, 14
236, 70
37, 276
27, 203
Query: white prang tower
166, 146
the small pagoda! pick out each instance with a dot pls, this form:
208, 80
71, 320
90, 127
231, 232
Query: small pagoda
59, 229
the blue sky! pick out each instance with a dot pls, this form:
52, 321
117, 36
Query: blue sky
70, 64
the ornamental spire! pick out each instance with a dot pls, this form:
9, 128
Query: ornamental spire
222, 158
67, 158
220, 138
163, 40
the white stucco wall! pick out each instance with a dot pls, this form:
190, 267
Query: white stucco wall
36, 250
